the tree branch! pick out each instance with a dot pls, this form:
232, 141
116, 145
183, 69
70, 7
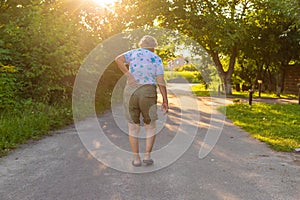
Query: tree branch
232, 60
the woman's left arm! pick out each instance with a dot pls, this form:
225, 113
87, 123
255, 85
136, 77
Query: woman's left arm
121, 62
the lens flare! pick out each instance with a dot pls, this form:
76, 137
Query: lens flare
104, 2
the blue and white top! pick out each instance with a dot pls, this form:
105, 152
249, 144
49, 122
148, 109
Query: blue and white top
144, 65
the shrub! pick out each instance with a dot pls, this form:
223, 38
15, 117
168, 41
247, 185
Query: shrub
237, 100
191, 77
8, 86
187, 67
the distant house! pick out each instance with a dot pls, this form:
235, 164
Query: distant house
291, 79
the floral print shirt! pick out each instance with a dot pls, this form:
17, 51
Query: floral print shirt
144, 65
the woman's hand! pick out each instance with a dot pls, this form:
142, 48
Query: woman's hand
131, 80
165, 107
121, 62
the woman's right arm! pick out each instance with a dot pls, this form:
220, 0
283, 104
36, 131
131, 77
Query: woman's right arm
163, 90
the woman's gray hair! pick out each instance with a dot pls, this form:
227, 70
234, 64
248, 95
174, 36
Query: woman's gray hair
148, 42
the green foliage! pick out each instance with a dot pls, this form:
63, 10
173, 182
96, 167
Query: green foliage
272, 43
267, 95
276, 124
30, 122
202, 90
46, 42
8, 87
236, 100
105, 86
47, 52
245, 72
187, 67
4, 53
189, 76
266, 32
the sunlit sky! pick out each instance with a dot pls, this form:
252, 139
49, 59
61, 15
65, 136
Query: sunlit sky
104, 2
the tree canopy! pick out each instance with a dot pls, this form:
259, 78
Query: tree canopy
43, 43
266, 31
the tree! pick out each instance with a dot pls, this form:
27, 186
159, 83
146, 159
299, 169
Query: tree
220, 26
47, 41
273, 40
216, 25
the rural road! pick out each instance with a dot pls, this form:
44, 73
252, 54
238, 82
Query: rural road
60, 167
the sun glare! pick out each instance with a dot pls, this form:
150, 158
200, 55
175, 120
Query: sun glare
104, 2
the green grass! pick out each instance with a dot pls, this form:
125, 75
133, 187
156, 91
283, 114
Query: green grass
191, 77
199, 90
276, 124
30, 122
263, 95
33, 121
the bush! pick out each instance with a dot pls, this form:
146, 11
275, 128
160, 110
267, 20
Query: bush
191, 77
188, 67
236, 100
8, 87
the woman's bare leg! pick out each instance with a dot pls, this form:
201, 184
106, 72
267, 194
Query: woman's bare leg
151, 133
134, 130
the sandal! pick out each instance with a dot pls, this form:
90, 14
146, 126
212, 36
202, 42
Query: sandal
148, 162
136, 164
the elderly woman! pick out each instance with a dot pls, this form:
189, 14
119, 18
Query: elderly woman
140, 96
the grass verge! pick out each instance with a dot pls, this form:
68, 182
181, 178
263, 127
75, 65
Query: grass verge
263, 95
276, 124
30, 122
191, 77
199, 90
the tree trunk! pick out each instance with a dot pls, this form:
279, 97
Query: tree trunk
227, 83
225, 76
280, 80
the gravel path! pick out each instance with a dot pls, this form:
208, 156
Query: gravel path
239, 167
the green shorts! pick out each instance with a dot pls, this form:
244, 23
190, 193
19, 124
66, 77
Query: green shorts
140, 100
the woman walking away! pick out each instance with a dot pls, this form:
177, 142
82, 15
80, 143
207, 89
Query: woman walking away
140, 96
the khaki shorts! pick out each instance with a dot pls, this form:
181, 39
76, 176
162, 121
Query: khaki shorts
140, 100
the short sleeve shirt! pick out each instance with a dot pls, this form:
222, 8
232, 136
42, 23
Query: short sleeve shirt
144, 65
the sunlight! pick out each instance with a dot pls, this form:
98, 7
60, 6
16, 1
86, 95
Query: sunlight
105, 2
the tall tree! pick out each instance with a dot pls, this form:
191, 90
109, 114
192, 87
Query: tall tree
216, 25
47, 41
220, 26
273, 40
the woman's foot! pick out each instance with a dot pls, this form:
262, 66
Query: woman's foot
147, 159
136, 164
136, 160
148, 162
